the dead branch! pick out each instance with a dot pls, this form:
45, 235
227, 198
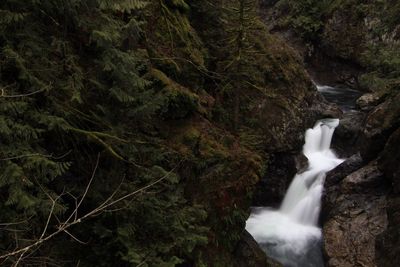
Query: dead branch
74, 219
37, 154
4, 94
21, 95
14, 223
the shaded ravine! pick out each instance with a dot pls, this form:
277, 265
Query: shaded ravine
291, 234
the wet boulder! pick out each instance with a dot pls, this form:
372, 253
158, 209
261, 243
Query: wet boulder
354, 207
274, 183
346, 134
350, 165
248, 254
301, 163
378, 126
367, 101
324, 109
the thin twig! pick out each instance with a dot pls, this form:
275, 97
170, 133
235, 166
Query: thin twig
67, 224
86, 190
49, 217
15, 223
19, 259
21, 95
38, 154
75, 238
103, 207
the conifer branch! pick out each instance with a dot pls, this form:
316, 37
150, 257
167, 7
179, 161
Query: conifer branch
62, 227
98, 134
201, 69
107, 146
96, 137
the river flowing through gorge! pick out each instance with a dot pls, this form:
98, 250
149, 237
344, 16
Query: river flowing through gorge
291, 234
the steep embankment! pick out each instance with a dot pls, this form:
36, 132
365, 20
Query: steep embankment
357, 43
173, 109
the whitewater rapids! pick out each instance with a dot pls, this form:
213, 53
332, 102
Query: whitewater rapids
291, 234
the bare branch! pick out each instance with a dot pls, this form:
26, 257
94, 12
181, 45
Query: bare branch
49, 217
86, 190
21, 95
15, 223
19, 259
37, 154
75, 238
62, 227
4, 95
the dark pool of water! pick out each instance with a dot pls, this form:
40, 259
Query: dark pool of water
344, 97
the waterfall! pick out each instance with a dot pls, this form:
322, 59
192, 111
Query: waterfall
291, 234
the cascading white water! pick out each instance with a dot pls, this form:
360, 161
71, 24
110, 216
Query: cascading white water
291, 234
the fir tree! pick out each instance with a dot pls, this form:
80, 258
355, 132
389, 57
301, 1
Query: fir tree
76, 82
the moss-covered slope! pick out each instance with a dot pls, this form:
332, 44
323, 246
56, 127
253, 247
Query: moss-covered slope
147, 106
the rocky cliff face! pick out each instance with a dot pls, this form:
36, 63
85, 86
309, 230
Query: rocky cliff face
356, 43
362, 197
388, 242
354, 210
361, 207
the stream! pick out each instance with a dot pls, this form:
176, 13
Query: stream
343, 96
291, 234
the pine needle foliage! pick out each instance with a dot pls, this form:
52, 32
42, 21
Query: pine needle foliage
133, 87
75, 82
242, 19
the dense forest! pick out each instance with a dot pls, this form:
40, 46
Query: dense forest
131, 131
136, 132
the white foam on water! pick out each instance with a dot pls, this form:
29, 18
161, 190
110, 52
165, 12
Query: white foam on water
289, 232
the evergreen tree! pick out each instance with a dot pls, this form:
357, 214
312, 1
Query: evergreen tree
75, 83
242, 14
113, 150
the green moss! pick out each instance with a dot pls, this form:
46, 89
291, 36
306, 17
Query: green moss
209, 148
179, 101
179, 4
191, 137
